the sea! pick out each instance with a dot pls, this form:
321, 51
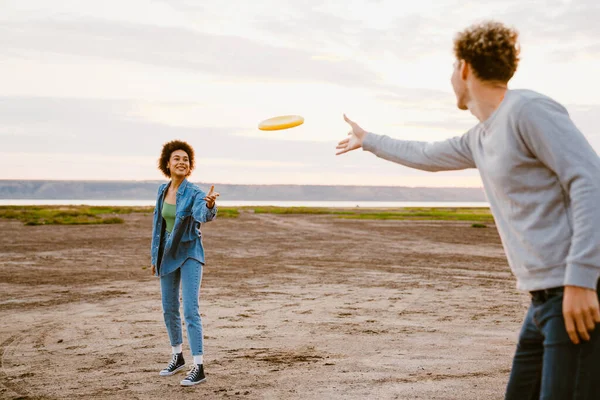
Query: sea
239, 203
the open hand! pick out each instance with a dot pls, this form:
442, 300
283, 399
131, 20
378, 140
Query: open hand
354, 140
211, 197
153, 269
581, 312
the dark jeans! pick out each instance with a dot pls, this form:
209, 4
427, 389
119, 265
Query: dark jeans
547, 365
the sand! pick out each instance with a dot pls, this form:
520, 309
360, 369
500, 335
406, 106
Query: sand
293, 307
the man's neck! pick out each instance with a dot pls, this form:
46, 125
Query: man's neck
485, 99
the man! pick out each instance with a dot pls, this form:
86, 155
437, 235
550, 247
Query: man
542, 179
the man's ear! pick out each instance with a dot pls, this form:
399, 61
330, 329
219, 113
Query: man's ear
465, 70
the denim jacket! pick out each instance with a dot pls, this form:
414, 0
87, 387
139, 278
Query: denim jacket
185, 241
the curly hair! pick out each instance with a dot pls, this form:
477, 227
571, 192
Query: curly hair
491, 49
168, 149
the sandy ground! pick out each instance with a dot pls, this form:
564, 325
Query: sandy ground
293, 307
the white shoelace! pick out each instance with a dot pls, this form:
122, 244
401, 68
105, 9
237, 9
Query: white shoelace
173, 362
193, 374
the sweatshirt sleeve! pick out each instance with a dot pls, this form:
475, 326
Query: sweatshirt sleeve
451, 154
554, 139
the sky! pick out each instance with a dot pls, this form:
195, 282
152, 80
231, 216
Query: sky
90, 90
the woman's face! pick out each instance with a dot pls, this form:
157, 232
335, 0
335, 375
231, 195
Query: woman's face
179, 164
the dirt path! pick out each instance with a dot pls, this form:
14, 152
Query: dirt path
294, 307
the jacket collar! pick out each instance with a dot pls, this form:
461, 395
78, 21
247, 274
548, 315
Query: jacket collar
181, 189
182, 186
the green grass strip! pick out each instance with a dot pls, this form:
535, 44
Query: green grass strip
418, 213
81, 215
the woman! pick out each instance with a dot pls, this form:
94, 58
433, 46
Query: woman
178, 255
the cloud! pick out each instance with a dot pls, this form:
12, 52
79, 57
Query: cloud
565, 20
99, 139
407, 36
247, 59
56, 125
181, 48
567, 29
418, 97
576, 53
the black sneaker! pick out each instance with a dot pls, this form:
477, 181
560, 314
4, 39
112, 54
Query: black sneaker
177, 363
195, 376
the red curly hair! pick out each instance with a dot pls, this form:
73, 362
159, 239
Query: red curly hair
491, 49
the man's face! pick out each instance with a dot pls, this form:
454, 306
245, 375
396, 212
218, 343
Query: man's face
459, 85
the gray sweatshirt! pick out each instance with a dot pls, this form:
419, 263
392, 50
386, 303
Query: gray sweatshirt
541, 178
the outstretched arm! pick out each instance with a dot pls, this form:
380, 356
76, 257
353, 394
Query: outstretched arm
205, 208
451, 154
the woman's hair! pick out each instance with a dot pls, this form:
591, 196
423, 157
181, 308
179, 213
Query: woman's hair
491, 49
168, 149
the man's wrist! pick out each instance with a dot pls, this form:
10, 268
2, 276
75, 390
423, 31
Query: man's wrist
365, 142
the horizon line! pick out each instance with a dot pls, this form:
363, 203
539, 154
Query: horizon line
234, 184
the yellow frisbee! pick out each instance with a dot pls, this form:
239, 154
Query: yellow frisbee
282, 122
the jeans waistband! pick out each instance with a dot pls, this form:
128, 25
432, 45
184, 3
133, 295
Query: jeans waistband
545, 294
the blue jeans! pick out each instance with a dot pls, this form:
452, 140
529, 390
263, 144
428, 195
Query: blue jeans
189, 275
547, 365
